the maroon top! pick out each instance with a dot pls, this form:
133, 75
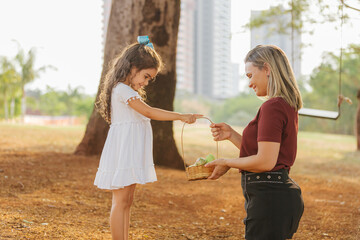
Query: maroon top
276, 121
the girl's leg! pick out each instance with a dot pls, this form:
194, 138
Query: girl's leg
127, 212
120, 203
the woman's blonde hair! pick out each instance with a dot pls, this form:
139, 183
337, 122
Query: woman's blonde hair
282, 82
135, 55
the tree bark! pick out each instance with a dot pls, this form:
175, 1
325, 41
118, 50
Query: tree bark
6, 111
358, 121
23, 104
12, 108
160, 20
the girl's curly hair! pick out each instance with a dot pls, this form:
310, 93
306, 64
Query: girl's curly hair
135, 55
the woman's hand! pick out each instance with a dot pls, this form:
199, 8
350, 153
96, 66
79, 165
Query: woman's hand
190, 118
221, 131
220, 168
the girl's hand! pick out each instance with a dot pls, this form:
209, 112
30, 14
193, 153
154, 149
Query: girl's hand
190, 118
221, 131
220, 168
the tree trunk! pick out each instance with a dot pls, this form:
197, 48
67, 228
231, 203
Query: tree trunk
160, 20
6, 111
23, 104
12, 108
358, 121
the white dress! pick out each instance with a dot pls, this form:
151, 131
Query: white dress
127, 156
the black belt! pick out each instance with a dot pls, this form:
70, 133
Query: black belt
278, 176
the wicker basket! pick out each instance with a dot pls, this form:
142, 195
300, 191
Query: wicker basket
197, 172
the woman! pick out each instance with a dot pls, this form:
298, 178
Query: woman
273, 201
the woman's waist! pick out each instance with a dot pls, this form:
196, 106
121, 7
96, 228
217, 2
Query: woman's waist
277, 176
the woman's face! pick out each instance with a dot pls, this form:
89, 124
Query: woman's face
258, 79
139, 79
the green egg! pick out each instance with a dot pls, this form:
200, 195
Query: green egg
200, 161
209, 158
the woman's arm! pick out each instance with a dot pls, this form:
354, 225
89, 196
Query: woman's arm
223, 131
263, 161
160, 114
236, 139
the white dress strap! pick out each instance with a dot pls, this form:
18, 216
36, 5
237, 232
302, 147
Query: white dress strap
126, 93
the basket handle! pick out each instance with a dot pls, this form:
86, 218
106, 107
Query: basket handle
182, 144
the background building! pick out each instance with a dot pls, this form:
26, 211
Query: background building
268, 34
235, 78
203, 53
185, 56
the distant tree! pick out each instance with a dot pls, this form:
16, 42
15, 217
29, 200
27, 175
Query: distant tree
70, 98
9, 83
303, 17
301, 13
77, 103
27, 72
358, 121
72, 102
51, 104
350, 6
33, 101
160, 20
239, 110
324, 82
84, 106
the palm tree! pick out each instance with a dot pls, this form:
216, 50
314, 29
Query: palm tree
9, 82
27, 72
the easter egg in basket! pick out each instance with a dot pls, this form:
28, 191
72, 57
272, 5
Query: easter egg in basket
198, 171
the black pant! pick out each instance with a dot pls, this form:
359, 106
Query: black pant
273, 204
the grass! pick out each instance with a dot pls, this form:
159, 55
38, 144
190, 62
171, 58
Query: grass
40, 138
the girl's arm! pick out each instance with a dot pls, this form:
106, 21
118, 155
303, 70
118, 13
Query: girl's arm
263, 161
160, 114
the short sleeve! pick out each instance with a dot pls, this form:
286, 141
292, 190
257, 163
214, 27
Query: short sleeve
126, 93
271, 122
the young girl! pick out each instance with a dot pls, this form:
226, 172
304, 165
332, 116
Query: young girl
127, 158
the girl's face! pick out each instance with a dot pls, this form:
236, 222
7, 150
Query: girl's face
139, 79
258, 79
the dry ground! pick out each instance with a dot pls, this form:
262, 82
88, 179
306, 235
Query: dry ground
48, 193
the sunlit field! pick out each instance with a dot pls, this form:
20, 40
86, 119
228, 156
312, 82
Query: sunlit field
48, 193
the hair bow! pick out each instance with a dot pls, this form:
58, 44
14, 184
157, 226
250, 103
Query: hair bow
145, 41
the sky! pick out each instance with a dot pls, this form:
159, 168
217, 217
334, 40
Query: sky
69, 37
66, 34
